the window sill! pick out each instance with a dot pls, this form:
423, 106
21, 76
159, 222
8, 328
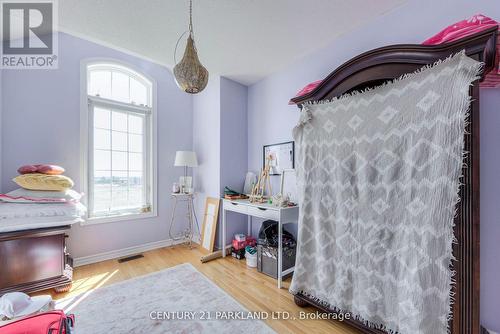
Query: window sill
114, 219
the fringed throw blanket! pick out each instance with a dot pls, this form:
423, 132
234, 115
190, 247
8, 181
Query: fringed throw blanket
378, 177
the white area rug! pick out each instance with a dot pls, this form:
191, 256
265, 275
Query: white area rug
125, 307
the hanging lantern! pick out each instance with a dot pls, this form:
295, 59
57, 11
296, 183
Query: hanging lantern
190, 75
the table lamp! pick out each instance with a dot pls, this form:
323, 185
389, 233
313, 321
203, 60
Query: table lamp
185, 159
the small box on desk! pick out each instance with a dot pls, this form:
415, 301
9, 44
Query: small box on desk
237, 245
249, 241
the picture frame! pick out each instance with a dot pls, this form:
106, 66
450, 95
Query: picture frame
284, 156
209, 224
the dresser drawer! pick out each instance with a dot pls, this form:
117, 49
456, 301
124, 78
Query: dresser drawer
236, 207
264, 213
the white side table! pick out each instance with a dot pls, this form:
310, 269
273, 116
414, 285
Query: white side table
188, 233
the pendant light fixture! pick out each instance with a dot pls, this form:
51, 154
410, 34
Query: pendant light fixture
190, 75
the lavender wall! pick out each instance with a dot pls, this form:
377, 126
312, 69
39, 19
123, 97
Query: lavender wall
41, 110
234, 135
206, 144
233, 147
1, 133
490, 215
220, 141
271, 120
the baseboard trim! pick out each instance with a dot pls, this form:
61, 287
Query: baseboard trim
114, 254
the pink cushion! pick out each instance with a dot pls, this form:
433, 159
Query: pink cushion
50, 169
27, 169
308, 88
461, 29
464, 28
41, 168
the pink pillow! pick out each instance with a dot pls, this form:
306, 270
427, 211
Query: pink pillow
41, 168
26, 169
50, 169
461, 29
308, 88
464, 28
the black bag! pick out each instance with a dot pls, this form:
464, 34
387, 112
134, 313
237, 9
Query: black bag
268, 235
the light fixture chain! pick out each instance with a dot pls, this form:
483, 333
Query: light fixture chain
191, 17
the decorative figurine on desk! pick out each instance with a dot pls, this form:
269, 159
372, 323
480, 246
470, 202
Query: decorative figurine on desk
280, 201
259, 190
175, 188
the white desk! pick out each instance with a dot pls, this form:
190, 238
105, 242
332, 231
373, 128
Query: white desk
265, 211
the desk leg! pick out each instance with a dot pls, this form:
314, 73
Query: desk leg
249, 225
280, 252
223, 241
190, 235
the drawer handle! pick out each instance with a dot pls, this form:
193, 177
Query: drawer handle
263, 209
234, 203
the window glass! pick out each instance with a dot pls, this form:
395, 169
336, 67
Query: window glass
100, 83
102, 118
120, 160
138, 92
119, 140
102, 139
120, 87
119, 121
135, 124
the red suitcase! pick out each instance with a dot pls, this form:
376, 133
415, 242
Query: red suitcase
52, 322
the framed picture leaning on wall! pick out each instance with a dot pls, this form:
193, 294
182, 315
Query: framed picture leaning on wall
281, 156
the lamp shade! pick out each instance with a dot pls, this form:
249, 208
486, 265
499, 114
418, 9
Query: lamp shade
190, 75
186, 159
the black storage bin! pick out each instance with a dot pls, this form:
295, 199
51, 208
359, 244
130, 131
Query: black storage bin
267, 260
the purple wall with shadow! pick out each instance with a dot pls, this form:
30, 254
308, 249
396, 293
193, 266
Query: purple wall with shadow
233, 148
490, 214
1, 132
220, 140
271, 119
206, 144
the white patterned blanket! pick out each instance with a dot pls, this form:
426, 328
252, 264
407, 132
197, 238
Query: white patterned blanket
378, 176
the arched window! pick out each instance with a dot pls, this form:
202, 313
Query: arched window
119, 83
120, 155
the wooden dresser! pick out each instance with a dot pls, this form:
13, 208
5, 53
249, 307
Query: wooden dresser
34, 260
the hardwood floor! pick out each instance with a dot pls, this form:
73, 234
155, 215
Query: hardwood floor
255, 291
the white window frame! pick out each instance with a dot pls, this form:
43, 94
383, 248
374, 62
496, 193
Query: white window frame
86, 137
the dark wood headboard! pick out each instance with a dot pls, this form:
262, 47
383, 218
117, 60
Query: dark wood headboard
387, 63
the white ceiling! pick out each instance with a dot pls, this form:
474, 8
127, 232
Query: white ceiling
244, 40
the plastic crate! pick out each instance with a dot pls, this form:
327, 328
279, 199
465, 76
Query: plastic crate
267, 260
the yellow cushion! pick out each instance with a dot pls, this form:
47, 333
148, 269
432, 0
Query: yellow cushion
36, 181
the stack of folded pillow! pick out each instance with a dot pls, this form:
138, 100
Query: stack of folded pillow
45, 198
